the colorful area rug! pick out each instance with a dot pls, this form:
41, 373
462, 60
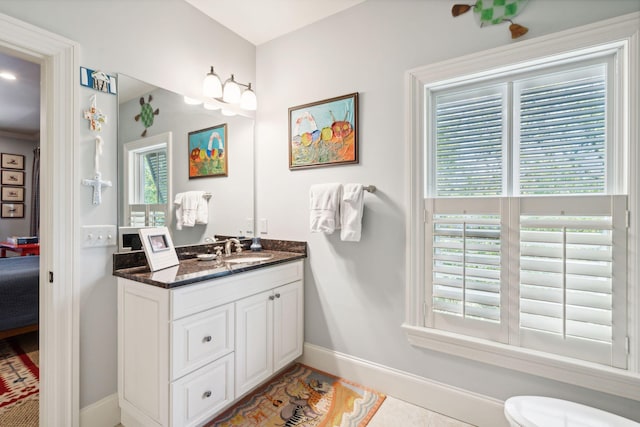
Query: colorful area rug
18, 376
302, 396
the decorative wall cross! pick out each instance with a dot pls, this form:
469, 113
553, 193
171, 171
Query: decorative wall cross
97, 183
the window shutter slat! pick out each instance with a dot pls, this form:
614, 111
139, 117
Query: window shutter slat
562, 133
469, 136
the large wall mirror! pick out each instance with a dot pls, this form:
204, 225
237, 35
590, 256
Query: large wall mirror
155, 153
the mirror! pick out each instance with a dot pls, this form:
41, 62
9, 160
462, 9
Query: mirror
154, 160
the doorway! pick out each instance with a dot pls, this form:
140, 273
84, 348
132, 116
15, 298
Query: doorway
58, 311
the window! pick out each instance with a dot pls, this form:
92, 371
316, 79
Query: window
522, 208
147, 181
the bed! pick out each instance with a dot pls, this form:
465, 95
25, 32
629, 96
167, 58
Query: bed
19, 295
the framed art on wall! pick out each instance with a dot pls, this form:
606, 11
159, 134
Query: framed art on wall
10, 177
12, 161
12, 210
13, 194
324, 133
208, 152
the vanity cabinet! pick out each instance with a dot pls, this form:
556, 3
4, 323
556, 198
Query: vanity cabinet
269, 334
187, 353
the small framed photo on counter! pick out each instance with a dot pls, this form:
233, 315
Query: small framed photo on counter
158, 248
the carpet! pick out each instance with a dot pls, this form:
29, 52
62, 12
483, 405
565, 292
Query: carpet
302, 396
18, 376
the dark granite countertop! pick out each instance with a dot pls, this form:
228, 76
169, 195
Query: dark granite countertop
193, 270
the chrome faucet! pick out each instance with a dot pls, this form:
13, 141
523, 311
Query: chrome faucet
227, 246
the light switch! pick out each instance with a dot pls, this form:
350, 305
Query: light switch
94, 236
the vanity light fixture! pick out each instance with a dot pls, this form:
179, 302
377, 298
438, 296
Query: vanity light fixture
228, 113
212, 86
231, 92
211, 106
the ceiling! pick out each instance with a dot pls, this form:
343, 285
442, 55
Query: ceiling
264, 20
255, 21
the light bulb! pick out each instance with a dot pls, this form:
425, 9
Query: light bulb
212, 86
231, 92
248, 99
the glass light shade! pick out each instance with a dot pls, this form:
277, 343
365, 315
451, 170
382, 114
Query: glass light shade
192, 101
231, 92
211, 106
226, 112
248, 100
212, 86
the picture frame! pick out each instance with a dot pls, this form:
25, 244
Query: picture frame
11, 177
12, 210
158, 248
208, 152
324, 133
12, 194
12, 161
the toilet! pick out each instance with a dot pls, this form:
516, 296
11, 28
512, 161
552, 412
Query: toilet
538, 411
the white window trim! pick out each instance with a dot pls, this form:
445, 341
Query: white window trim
621, 34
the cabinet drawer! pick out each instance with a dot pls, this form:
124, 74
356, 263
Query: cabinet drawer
201, 394
201, 339
187, 300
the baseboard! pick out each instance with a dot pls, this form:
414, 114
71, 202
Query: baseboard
103, 413
463, 405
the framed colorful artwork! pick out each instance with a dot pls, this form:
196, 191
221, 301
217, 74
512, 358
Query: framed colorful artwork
12, 161
324, 133
208, 152
12, 210
13, 194
10, 177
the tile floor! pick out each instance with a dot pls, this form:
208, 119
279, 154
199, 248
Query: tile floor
394, 413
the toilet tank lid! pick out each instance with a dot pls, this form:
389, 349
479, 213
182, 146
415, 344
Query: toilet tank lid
538, 411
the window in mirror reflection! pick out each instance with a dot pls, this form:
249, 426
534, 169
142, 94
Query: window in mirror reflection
147, 181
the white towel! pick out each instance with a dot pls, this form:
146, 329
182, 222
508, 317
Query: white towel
325, 207
351, 211
191, 208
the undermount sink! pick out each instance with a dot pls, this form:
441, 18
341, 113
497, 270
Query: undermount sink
247, 259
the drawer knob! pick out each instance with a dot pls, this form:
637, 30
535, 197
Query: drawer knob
277, 295
206, 394
207, 338
271, 297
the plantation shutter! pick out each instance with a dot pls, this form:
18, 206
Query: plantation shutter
156, 162
562, 132
466, 271
571, 249
469, 135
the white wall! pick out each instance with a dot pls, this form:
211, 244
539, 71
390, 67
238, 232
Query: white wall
166, 43
19, 226
355, 291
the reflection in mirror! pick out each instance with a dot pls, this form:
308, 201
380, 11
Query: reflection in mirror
153, 164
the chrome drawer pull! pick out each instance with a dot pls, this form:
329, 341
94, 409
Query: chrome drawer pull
277, 295
271, 297
207, 338
206, 394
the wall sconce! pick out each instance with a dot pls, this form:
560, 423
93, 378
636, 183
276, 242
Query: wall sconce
230, 92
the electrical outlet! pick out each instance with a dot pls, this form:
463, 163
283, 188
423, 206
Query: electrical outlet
249, 226
94, 236
264, 226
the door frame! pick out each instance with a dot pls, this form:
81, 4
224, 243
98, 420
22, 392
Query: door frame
59, 300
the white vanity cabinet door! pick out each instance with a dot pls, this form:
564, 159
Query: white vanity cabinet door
201, 394
201, 338
288, 318
254, 341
